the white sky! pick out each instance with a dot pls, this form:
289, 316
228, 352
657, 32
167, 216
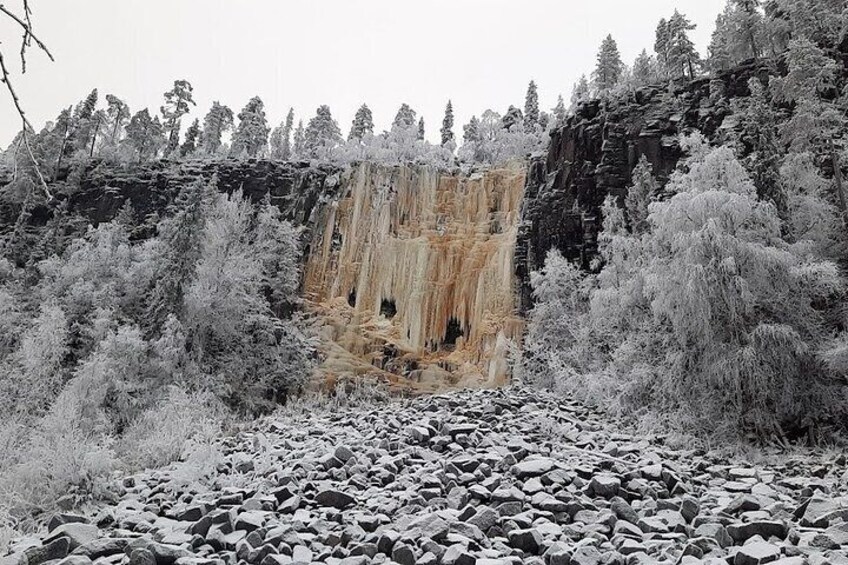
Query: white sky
302, 53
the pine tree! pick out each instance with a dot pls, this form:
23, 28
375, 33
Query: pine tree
682, 56
644, 72
662, 47
299, 148
405, 117
363, 124
720, 50
421, 129
118, 113
322, 134
218, 120
145, 135
609, 67
531, 104
192, 138
447, 125
750, 25
251, 135
177, 104
83, 122
559, 110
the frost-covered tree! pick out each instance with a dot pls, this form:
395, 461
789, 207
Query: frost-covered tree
251, 135
145, 135
322, 134
639, 196
447, 125
559, 111
421, 129
299, 141
644, 70
83, 125
471, 130
118, 113
231, 327
192, 137
675, 51
405, 117
531, 104
609, 67
761, 136
281, 138
513, 118
363, 123
580, 93
178, 102
218, 121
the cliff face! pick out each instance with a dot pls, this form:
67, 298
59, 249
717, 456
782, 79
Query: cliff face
297, 188
594, 153
412, 271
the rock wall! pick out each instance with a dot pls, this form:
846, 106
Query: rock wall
594, 153
413, 272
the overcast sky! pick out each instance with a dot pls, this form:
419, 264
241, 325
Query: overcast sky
479, 53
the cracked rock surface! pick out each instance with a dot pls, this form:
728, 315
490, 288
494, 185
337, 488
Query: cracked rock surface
473, 477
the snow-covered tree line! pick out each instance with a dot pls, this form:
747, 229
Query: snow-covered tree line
116, 133
745, 30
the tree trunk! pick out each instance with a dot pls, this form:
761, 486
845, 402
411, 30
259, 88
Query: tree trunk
94, 138
840, 186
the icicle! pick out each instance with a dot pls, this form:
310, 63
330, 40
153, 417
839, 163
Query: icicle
439, 249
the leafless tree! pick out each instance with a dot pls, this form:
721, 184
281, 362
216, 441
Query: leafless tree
25, 22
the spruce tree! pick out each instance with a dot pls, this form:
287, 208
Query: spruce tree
322, 133
761, 134
662, 47
609, 68
421, 132
447, 125
217, 121
251, 135
531, 104
363, 124
720, 50
177, 101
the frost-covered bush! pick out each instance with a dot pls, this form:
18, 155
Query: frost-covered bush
709, 314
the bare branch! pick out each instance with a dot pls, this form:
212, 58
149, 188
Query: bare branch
26, 126
26, 24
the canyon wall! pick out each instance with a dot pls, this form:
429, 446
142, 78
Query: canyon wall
413, 274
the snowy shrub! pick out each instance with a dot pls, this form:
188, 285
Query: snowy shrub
169, 430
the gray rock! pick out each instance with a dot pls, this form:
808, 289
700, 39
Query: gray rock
529, 541
743, 532
77, 533
56, 549
335, 499
757, 553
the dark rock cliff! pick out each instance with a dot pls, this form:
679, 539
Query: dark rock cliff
100, 189
594, 153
